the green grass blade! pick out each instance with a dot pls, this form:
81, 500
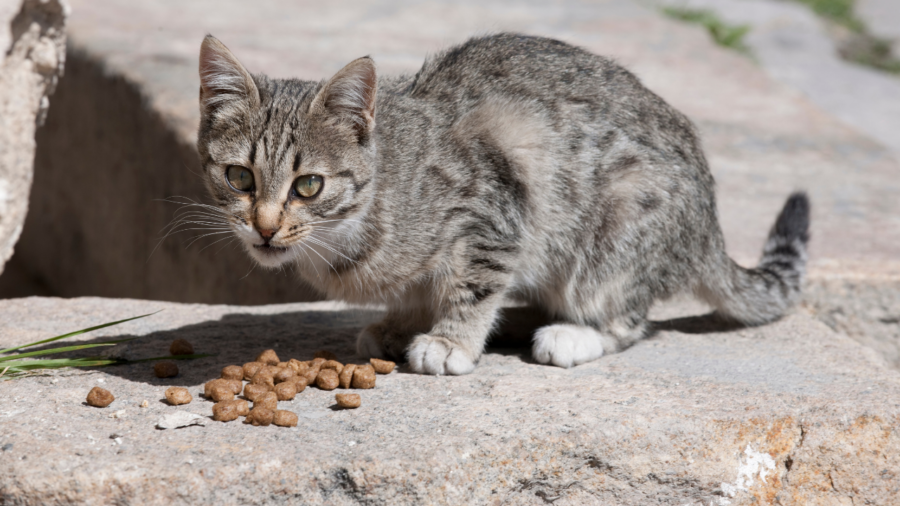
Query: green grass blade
77, 332
59, 362
61, 350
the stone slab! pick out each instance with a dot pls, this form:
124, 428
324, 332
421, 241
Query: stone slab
763, 138
790, 413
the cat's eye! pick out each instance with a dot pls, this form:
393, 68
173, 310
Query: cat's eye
240, 178
308, 186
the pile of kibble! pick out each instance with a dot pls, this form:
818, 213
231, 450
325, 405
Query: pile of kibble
269, 380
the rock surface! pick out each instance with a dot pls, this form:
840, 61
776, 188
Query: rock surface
121, 134
791, 413
32, 41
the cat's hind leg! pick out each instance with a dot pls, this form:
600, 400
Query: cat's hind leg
567, 344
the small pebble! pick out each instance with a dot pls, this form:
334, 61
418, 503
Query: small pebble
165, 369
100, 397
349, 401
181, 347
145, 403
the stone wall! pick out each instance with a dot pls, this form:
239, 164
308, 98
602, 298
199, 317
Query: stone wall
33, 40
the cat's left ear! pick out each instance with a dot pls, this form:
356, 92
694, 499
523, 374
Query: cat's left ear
350, 96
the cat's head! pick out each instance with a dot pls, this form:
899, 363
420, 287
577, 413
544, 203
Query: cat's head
286, 161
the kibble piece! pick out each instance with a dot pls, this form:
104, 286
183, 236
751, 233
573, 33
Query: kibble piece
181, 347
221, 392
327, 379
268, 357
382, 366
346, 376
284, 418
250, 369
165, 369
363, 377
286, 374
242, 406
317, 362
233, 372
300, 383
260, 416
286, 391
178, 395
325, 354
235, 386
298, 366
100, 397
225, 411
264, 377
282, 365
333, 364
253, 392
348, 400
267, 400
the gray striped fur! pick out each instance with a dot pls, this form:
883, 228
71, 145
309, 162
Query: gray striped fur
508, 166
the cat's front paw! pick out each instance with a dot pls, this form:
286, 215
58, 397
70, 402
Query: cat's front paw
567, 345
438, 355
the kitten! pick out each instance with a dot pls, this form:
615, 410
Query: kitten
507, 166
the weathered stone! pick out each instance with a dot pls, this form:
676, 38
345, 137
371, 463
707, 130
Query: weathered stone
790, 413
131, 91
32, 41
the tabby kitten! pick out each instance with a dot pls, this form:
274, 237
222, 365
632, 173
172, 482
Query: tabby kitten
507, 166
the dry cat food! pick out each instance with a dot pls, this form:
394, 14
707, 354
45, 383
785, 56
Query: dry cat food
100, 397
233, 372
286, 391
334, 365
227, 411
181, 347
270, 380
250, 369
363, 377
260, 416
349, 401
253, 392
178, 395
165, 369
267, 400
284, 418
346, 376
382, 366
327, 379
268, 357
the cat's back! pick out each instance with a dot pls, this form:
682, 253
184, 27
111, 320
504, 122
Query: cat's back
527, 66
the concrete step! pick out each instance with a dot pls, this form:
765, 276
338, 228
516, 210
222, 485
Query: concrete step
791, 413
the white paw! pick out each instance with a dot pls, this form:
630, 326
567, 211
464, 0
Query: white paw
567, 345
367, 346
437, 355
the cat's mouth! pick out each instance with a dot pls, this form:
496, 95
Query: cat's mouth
268, 249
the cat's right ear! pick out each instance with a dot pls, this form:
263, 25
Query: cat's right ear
222, 77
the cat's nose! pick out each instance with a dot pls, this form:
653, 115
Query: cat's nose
267, 233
